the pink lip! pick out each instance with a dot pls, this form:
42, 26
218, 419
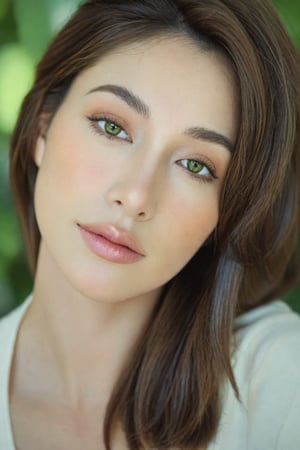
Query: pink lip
111, 243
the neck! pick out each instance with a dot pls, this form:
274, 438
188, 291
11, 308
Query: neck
81, 345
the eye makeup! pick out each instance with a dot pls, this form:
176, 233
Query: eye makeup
199, 167
108, 126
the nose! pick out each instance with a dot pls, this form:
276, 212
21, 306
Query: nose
135, 194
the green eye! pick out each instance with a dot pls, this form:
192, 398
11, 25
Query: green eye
112, 128
198, 168
109, 128
194, 166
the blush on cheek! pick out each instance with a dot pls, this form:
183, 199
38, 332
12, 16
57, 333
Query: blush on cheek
196, 215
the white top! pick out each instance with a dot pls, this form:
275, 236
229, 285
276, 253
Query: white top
267, 370
8, 332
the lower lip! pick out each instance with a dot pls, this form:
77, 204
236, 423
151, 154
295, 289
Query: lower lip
108, 250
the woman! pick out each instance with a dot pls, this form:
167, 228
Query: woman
155, 167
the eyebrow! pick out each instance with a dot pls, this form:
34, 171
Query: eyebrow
205, 134
127, 96
135, 102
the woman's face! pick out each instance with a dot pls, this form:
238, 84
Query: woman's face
136, 154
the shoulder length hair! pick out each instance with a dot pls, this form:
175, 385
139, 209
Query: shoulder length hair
168, 395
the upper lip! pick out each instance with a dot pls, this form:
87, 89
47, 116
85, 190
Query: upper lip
116, 235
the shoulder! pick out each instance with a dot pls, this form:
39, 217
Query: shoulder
267, 364
266, 331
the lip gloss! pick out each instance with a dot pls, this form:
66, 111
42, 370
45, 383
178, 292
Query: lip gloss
108, 250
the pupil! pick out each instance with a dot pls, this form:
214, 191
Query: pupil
195, 166
112, 128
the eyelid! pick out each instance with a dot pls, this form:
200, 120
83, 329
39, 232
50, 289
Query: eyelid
205, 162
94, 118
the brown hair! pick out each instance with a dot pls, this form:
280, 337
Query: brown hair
168, 395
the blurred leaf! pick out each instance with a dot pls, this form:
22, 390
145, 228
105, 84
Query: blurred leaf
38, 20
5, 200
289, 11
16, 76
3, 148
10, 243
3, 8
6, 296
293, 298
18, 270
8, 32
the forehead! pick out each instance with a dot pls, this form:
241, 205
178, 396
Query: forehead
173, 75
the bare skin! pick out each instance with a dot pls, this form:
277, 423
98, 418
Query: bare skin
73, 343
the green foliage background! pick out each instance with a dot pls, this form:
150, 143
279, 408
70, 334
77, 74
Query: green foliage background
26, 27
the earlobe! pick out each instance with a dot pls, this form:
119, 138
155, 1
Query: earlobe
39, 150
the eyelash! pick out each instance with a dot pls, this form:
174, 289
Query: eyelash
212, 175
94, 120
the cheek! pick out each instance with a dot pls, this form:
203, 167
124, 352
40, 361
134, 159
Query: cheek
195, 216
184, 228
69, 163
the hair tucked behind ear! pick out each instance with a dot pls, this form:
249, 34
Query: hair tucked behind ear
168, 395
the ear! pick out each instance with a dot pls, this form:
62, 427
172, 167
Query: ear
39, 149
